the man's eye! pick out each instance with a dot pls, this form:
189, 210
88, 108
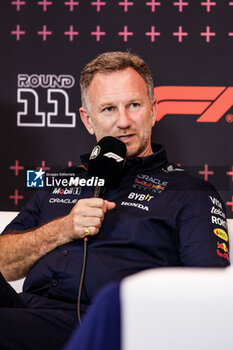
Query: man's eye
108, 109
134, 104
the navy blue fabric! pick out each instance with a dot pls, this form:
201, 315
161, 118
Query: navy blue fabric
8, 296
100, 328
169, 224
31, 322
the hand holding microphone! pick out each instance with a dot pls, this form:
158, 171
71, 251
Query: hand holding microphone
107, 161
88, 214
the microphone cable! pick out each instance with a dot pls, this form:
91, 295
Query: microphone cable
106, 161
82, 278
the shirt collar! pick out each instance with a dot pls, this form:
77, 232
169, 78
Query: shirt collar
135, 165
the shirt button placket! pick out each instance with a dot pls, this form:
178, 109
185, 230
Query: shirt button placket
54, 283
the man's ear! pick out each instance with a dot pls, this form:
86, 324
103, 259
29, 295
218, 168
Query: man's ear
86, 119
153, 112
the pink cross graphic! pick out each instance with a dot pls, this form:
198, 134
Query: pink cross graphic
16, 197
71, 33
42, 166
18, 32
44, 3
230, 34
208, 34
18, 3
180, 3
152, 34
230, 173
208, 5
125, 33
44, 32
231, 3
16, 167
230, 203
98, 4
98, 33
153, 4
71, 3
205, 172
180, 34
125, 3
69, 163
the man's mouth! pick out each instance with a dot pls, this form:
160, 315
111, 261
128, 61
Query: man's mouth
125, 137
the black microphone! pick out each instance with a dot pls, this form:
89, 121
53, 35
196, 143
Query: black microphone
106, 162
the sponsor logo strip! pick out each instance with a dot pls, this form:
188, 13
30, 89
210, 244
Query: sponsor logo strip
140, 196
219, 221
136, 205
221, 234
63, 200
146, 182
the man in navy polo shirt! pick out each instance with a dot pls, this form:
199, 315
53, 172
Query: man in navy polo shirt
158, 215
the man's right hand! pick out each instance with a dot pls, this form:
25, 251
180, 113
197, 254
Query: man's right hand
87, 213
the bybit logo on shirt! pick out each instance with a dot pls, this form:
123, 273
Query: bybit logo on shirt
140, 197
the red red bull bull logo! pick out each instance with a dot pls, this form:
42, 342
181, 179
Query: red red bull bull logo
158, 187
222, 246
221, 234
223, 255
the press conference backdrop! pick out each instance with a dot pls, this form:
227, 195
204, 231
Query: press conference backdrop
44, 45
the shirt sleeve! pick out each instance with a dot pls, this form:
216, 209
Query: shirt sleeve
201, 229
28, 218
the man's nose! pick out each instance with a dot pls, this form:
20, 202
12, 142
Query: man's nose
123, 119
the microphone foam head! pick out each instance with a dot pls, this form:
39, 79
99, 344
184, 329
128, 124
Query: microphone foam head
107, 159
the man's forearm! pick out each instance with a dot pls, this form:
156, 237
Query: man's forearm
20, 251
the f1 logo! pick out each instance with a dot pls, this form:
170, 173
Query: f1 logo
114, 156
210, 102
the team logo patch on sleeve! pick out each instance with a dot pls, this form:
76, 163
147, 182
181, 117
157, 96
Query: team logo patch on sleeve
221, 234
222, 246
223, 255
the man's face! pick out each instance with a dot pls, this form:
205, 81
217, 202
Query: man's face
119, 106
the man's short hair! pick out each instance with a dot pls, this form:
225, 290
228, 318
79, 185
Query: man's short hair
109, 62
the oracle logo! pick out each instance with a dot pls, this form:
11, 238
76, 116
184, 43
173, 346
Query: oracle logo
209, 102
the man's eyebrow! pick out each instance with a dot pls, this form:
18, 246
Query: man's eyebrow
111, 103
105, 104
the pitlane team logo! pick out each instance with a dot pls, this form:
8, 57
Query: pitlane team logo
35, 178
211, 103
38, 178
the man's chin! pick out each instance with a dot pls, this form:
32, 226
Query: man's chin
132, 154
138, 152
